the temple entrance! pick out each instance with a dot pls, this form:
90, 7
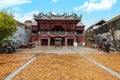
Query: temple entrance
70, 42
52, 41
44, 42
57, 39
63, 41
58, 42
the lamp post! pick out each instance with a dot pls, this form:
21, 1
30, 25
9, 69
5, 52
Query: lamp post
112, 33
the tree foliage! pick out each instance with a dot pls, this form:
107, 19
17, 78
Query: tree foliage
7, 26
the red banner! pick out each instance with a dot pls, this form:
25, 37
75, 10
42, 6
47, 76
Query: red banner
51, 35
57, 35
43, 37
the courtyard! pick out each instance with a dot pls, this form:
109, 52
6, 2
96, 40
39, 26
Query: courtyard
60, 63
52, 40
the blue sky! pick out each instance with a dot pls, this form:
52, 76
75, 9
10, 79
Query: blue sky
92, 10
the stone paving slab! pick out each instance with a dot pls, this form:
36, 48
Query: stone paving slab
61, 62
109, 60
102, 66
63, 67
10, 62
19, 69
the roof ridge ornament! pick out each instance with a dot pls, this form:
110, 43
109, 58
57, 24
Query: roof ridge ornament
34, 15
80, 17
74, 14
53, 16
50, 14
40, 14
65, 14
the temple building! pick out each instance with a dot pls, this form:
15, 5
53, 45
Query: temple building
50, 29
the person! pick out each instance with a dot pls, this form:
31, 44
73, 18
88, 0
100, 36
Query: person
5, 49
10, 49
104, 46
13, 46
107, 46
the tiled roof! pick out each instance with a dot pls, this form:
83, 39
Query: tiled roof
115, 18
34, 22
80, 24
52, 16
100, 22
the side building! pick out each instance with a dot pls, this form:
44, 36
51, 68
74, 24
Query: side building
22, 35
92, 37
48, 28
108, 31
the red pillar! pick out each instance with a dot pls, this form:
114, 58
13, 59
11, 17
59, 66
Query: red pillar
75, 39
39, 39
33, 38
48, 41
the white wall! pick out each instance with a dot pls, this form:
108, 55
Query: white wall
22, 35
109, 37
117, 34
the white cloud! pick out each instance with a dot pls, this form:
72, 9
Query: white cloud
24, 17
93, 5
55, 1
12, 3
54, 13
16, 8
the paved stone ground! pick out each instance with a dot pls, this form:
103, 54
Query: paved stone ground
52, 49
62, 55
63, 67
11, 62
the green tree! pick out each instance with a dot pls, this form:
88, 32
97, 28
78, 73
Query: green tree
7, 26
